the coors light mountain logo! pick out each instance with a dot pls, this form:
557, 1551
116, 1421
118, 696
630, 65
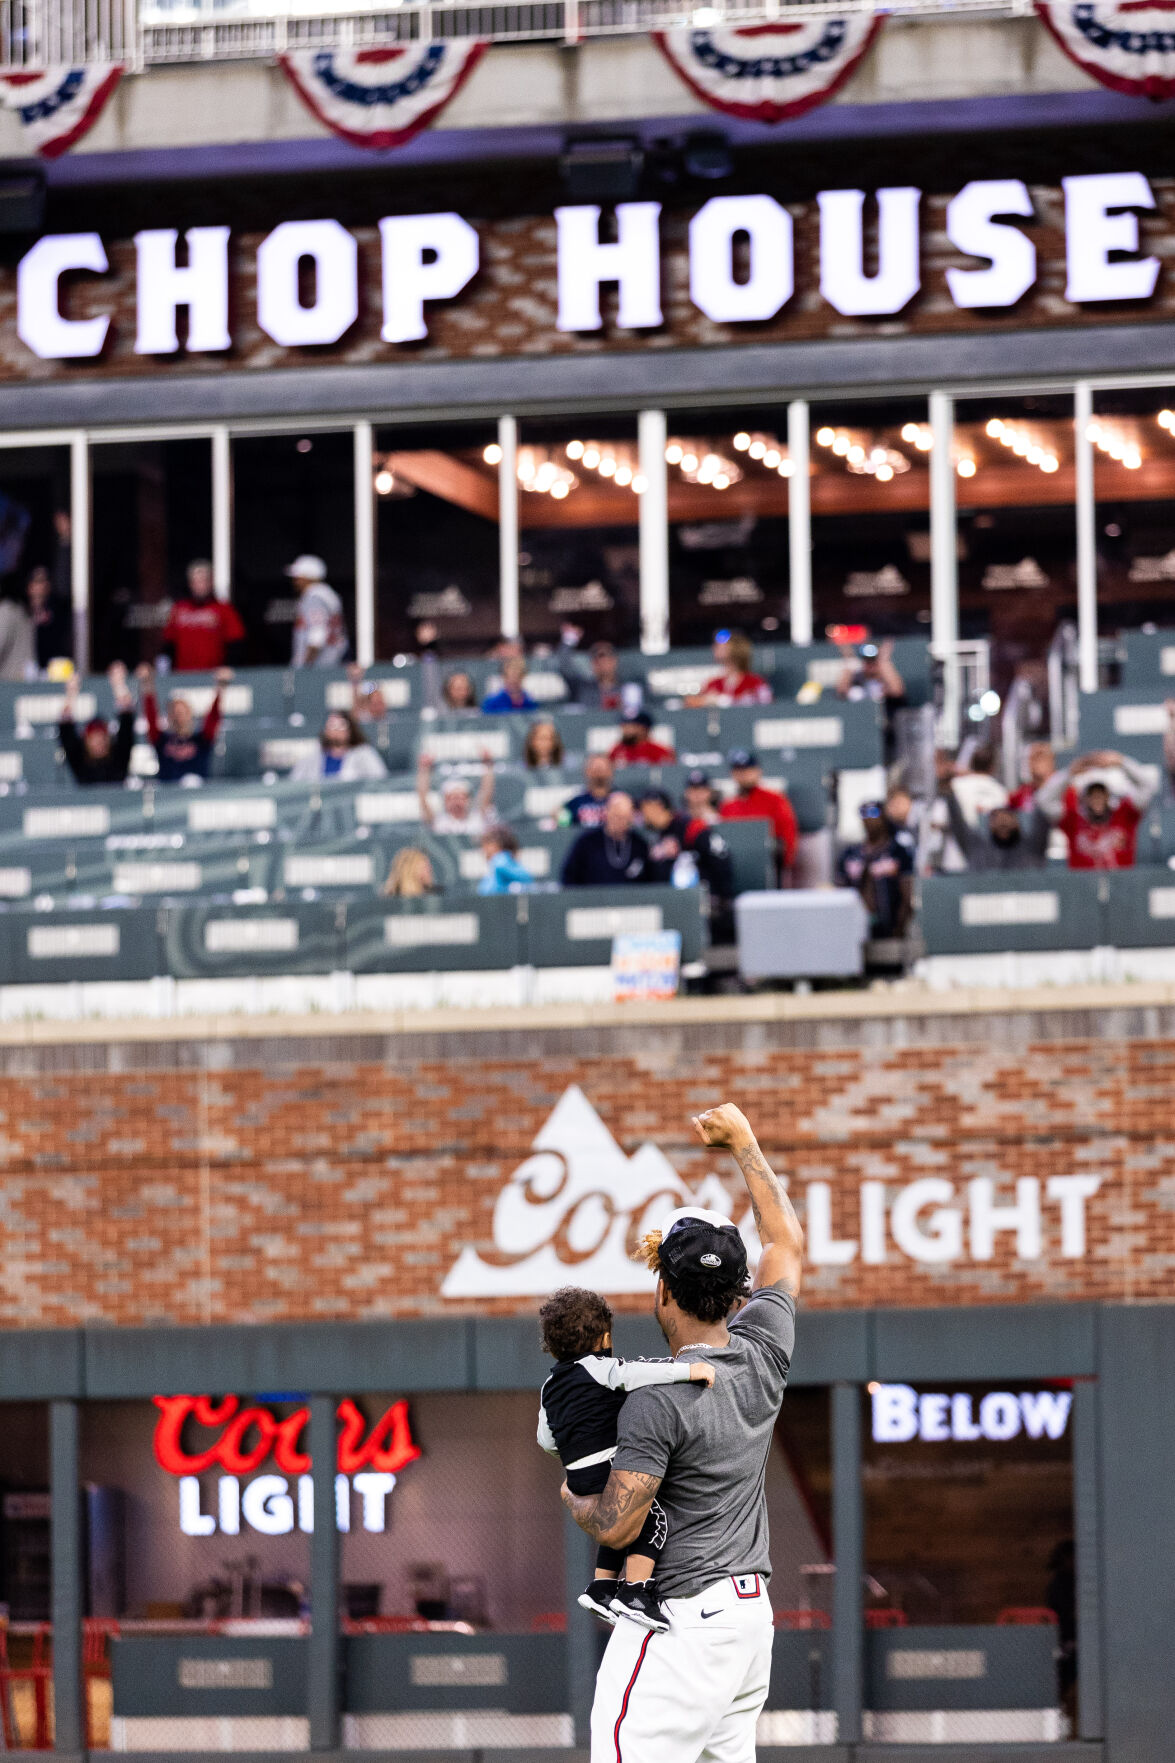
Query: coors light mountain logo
575, 1210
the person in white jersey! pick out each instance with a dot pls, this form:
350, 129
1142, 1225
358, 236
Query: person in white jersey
694, 1693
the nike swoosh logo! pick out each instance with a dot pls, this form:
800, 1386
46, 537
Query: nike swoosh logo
706, 1614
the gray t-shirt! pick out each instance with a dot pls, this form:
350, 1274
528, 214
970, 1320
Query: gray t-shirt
710, 1449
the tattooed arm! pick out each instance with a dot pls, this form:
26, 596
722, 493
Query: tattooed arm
782, 1262
615, 1516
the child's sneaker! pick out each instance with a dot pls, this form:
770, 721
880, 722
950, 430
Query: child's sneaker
637, 1599
598, 1598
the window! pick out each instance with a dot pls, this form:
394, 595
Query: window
151, 512
579, 556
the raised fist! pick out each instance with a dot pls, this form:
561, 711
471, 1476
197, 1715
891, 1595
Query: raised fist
725, 1126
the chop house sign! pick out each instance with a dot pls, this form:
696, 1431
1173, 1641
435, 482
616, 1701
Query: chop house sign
308, 275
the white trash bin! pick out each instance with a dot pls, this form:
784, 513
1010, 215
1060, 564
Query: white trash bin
801, 933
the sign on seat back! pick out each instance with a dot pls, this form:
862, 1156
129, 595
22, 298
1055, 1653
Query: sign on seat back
575, 928
1020, 910
420, 936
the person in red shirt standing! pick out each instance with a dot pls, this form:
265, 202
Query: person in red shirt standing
202, 632
1101, 826
1041, 766
634, 746
736, 684
752, 802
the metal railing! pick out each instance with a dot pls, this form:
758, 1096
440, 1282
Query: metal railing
35, 34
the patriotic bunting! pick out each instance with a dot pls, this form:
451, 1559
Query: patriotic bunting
381, 97
1129, 47
768, 72
61, 105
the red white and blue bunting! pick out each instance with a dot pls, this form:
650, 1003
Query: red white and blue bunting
1129, 47
768, 72
381, 97
61, 105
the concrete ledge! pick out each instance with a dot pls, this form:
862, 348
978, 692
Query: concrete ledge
903, 1001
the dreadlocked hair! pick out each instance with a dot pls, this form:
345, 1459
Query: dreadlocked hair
707, 1297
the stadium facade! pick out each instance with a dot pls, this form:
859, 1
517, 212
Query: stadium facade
972, 1500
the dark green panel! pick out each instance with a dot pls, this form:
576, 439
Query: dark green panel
38, 1364
528, 1671
985, 1344
507, 1354
331, 1358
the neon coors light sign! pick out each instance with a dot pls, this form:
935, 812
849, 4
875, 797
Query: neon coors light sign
577, 1206
274, 1505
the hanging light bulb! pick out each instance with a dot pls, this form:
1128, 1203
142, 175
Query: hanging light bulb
574, 449
492, 454
385, 483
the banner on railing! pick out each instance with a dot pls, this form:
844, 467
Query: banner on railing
769, 72
1129, 47
61, 105
380, 97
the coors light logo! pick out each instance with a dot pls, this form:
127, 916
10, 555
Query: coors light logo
575, 1210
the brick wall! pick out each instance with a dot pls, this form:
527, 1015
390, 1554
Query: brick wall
261, 1180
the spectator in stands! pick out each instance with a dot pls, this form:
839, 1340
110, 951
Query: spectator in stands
320, 630
610, 855
344, 752
752, 802
976, 790
183, 751
1100, 818
457, 694
702, 801
1042, 763
52, 629
587, 809
202, 633
504, 873
899, 811
1003, 838
735, 684
635, 746
18, 647
512, 694
869, 672
411, 875
91, 754
458, 812
544, 746
504, 648
368, 703
598, 686
882, 872
673, 835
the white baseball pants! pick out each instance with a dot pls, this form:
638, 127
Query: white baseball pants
692, 1695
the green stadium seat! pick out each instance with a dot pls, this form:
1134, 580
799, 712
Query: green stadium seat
1141, 908
215, 941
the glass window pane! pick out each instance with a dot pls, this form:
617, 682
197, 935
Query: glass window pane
35, 543
870, 492
728, 534
1133, 435
151, 516
437, 538
579, 560
202, 1560
970, 1611
293, 495
799, 1508
447, 1555
1016, 525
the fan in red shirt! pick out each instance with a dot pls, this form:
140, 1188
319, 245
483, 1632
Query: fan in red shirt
202, 632
1102, 828
736, 684
634, 746
752, 802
